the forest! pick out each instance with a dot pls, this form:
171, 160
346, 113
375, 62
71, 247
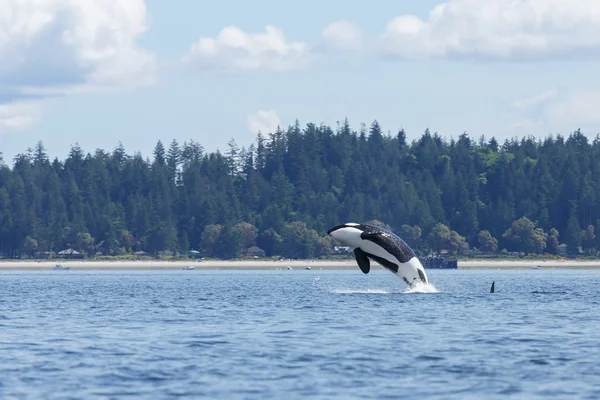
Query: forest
464, 196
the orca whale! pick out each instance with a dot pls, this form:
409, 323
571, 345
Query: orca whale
372, 242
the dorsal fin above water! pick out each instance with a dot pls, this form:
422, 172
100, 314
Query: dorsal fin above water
492, 288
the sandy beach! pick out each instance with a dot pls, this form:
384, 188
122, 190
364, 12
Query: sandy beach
171, 265
273, 265
528, 264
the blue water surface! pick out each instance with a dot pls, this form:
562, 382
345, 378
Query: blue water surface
316, 334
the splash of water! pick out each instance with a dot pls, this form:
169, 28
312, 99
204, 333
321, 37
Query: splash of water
361, 291
417, 288
421, 287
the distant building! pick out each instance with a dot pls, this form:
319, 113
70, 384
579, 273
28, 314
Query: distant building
255, 251
70, 253
562, 250
194, 254
342, 250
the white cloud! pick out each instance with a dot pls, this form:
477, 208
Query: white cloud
580, 108
553, 110
509, 30
536, 100
264, 121
62, 47
344, 35
234, 50
18, 116
68, 46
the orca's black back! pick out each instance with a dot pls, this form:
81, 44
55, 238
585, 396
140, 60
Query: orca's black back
391, 243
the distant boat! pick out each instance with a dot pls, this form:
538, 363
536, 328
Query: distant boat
58, 266
189, 267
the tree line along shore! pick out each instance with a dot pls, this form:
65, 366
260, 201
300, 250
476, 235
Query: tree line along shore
468, 197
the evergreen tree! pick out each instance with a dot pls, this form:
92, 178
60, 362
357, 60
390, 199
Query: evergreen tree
285, 190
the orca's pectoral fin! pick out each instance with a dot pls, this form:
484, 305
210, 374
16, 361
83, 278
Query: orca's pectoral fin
363, 260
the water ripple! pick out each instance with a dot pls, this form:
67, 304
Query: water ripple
299, 334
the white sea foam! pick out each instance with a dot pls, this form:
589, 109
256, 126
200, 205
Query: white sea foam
420, 287
362, 291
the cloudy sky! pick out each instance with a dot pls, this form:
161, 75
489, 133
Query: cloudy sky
98, 72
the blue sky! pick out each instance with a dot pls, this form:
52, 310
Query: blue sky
98, 73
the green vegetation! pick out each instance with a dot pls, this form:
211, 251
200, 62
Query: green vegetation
284, 191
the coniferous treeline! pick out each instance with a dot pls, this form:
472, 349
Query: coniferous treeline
285, 190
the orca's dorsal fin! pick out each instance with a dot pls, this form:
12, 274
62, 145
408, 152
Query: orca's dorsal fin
363, 260
492, 288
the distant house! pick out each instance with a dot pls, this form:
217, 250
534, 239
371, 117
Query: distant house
194, 254
342, 250
255, 251
70, 253
562, 250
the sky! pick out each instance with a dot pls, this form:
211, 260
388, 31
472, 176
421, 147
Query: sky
97, 73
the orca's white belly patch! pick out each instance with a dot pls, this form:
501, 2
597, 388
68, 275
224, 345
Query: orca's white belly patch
378, 251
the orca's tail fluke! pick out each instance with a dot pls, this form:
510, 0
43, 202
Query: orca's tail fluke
492, 288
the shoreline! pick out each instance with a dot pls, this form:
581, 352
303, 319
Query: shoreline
150, 265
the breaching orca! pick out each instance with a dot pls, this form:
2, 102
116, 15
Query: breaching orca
381, 245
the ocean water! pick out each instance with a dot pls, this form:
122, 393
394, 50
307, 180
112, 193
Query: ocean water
314, 334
